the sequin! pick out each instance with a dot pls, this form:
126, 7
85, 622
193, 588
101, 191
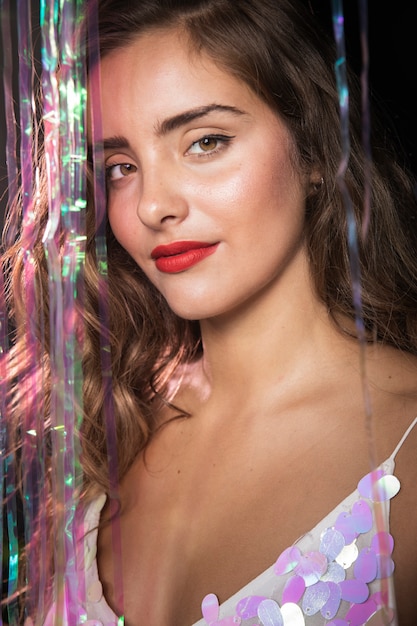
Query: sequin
345, 524
387, 487
292, 615
270, 614
379, 487
210, 608
332, 543
366, 566
354, 590
287, 561
385, 566
358, 614
311, 567
315, 598
365, 485
335, 573
382, 543
331, 607
293, 590
380, 598
362, 516
348, 555
248, 607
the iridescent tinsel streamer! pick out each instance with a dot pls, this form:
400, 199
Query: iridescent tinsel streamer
101, 252
7, 468
64, 242
32, 477
366, 116
73, 176
342, 84
3, 411
49, 19
26, 186
341, 76
12, 170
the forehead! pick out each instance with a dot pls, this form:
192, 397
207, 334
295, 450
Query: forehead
159, 74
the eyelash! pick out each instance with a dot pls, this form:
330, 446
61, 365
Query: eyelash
112, 167
222, 141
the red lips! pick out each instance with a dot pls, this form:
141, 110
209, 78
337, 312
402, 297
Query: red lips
181, 255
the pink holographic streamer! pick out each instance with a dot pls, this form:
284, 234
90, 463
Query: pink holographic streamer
51, 121
49, 15
101, 251
64, 240
73, 176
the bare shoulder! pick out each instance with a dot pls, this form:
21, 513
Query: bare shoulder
391, 369
398, 377
393, 376
404, 529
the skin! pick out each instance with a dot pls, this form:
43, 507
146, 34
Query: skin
277, 404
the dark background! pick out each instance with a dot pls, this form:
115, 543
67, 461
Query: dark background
393, 56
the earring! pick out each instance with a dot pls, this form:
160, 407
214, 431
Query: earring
318, 184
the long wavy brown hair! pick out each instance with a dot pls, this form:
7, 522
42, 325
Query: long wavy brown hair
279, 50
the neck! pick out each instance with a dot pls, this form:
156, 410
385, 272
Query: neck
281, 340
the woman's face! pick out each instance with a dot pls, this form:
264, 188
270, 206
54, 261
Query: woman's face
202, 191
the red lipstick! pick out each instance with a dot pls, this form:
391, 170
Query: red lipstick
181, 255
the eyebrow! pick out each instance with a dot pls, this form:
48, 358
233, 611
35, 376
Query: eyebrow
119, 142
115, 143
172, 123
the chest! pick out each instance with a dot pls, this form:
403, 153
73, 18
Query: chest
202, 516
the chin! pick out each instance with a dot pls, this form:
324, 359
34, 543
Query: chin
194, 311
192, 315
193, 304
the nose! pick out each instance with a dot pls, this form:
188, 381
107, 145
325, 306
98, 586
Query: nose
162, 200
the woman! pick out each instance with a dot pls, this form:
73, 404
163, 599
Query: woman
242, 405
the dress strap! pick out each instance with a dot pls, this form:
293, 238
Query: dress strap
403, 438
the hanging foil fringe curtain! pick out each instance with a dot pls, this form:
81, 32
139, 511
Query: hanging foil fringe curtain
44, 50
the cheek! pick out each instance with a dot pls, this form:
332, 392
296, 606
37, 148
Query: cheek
267, 176
124, 226
259, 193
229, 194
